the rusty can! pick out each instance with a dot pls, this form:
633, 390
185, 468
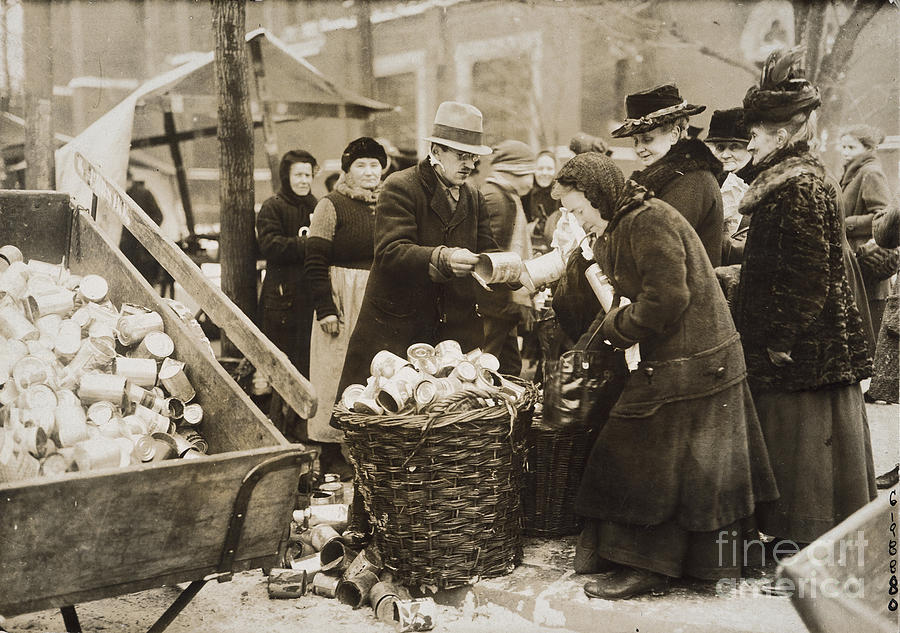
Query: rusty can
174, 408
175, 381
382, 597
322, 534
134, 327
385, 364
325, 585
354, 591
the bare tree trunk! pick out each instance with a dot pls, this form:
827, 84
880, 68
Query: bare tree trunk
40, 171
366, 56
237, 242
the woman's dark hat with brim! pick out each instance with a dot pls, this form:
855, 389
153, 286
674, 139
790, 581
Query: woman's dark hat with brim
727, 126
651, 108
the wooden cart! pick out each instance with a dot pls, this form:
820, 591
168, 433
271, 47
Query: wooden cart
85, 536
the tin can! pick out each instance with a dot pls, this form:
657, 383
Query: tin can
114, 428
67, 339
166, 448
9, 393
59, 302
496, 268
321, 497
351, 395
183, 445
67, 397
311, 564
385, 364
336, 488
38, 267
134, 327
487, 361
100, 330
71, 424
14, 325
192, 436
33, 439
354, 590
54, 464
13, 282
599, 283
93, 288
38, 397
11, 254
382, 597
48, 325
29, 371
325, 585
192, 415
464, 372
97, 453
368, 560
330, 478
446, 387
174, 408
334, 554
144, 448
97, 387
175, 381
396, 392
422, 357
155, 345
43, 418
140, 371
448, 354
101, 412
94, 353
126, 451
542, 270
322, 534
156, 422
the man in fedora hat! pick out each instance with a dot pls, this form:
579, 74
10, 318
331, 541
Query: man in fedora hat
678, 170
429, 226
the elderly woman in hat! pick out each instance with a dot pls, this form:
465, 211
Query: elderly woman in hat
727, 140
680, 463
339, 254
430, 224
801, 330
678, 170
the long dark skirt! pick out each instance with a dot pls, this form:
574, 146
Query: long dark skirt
821, 453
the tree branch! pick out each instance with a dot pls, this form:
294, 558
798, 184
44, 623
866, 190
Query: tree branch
835, 61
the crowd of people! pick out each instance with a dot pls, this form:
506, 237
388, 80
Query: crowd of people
752, 282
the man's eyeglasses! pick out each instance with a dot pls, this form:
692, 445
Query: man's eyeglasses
465, 156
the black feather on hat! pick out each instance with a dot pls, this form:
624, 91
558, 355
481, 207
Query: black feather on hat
783, 91
363, 147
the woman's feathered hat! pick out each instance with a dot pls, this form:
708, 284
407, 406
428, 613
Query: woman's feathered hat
782, 92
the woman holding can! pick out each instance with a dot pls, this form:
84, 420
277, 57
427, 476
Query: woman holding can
680, 465
339, 254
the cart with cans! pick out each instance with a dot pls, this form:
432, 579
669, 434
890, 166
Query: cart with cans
82, 536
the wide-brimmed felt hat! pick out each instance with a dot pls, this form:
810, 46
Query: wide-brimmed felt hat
513, 157
651, 108
727, 126
459, 126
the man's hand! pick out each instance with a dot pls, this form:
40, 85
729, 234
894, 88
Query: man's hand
462, 262
330, 324
779, 359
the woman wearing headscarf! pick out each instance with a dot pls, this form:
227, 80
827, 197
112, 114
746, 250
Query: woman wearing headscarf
281, 226
339, 255
678, 170
865, 193
680, 464
801, 331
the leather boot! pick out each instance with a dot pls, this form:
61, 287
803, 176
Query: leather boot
626, 583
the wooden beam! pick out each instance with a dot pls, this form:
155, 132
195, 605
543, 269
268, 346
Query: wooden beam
270, 139
180, 172
181, 136
272, 363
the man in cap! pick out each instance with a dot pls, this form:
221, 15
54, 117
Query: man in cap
429, 226
511, 177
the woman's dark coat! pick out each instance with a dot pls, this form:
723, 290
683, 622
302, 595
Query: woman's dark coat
794, 295
285, 303
402, 304
865, 192
682, 443
686, 178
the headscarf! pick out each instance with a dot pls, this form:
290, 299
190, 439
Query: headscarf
598, 177
284, 176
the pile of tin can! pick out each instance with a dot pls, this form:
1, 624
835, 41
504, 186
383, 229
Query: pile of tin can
85, 385
427, 375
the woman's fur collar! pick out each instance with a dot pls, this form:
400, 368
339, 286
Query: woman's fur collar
687, 155
856, 164
786, 164
346, 186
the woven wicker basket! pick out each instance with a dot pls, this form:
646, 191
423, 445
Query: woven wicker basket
554, 465
443, 490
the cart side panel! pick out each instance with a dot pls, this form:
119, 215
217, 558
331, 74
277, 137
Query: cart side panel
36, 222
234, 422
84, 536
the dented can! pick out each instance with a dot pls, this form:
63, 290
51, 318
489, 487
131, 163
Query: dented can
175, 381
134, 327
385, 364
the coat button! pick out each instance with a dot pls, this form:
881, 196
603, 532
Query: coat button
720, 372
648, 371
